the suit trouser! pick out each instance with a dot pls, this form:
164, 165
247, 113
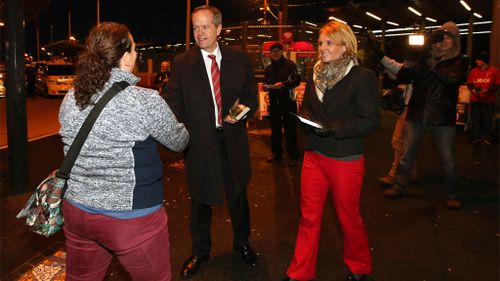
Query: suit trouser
279, 115
320, 174
141, 245
201, 214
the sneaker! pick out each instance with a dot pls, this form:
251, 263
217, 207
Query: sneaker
386, 181
453, 203
394, 192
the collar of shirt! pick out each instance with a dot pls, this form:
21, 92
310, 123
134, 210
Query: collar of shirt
216, 52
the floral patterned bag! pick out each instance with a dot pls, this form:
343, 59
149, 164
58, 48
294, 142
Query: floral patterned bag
43, 211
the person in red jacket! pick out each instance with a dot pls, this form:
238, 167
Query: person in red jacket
483, 83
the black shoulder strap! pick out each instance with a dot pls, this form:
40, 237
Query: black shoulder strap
82, 135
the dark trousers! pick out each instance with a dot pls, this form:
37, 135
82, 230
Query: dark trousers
201, 214
481, 114
279, 115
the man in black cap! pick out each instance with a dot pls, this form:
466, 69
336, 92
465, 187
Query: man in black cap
281, 76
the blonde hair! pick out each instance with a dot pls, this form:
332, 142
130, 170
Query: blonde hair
341, 34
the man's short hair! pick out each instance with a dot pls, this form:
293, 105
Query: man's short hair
276, 46
217, 14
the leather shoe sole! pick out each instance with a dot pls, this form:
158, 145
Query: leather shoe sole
191, 266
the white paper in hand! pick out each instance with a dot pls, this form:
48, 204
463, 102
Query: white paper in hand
308, 122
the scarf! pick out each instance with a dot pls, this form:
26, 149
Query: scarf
329, 73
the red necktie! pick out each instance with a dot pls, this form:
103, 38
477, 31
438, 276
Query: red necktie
216, 82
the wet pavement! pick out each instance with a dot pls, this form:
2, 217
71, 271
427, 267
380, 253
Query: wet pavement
412, 239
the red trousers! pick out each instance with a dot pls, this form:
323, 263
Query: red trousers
141, 245
321, 174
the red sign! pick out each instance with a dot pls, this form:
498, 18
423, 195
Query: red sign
287, 37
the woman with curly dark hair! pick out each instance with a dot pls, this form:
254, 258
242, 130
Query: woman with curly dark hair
113, 200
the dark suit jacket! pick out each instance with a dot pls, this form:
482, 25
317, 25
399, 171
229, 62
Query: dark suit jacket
189, 95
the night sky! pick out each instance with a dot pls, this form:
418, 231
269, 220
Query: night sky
161, 21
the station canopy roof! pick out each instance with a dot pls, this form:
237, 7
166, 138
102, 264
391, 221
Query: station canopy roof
392, 13
66, 47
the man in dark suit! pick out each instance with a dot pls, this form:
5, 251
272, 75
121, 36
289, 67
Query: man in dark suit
206, 81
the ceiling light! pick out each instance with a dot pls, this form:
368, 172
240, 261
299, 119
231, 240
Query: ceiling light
478, 15
337, 19
310, 23
415, 11
373, 16
357, 26
392, 23
416, 39
430, 19
465, 5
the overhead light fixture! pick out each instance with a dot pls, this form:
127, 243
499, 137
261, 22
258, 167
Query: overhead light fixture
430, 19
414, 11
465, 5
392, 23
337, 19
478, 15
310, 23
416, 40
373, 16
357, 26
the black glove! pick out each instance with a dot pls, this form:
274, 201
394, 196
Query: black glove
326, 131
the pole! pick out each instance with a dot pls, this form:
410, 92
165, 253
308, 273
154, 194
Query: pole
495, 37
98, 13
284, 10
470, 35
188, 24
69, 19
37, 42
17, 133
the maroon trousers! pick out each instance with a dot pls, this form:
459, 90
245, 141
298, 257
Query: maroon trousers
141, 245
321, 174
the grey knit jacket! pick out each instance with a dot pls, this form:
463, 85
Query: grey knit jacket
119, 167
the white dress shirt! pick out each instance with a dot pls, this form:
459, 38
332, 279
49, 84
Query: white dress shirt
208, 68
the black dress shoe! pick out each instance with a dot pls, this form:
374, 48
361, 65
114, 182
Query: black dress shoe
248, 255
191, 266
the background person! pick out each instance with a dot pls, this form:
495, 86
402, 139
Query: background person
280, 77
206, 81
113, 201
483, 83
162, 77
399, 134
343, 97
436, 77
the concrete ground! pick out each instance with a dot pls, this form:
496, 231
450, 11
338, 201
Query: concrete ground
412, 239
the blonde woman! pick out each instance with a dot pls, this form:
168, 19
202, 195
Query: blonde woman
342, 96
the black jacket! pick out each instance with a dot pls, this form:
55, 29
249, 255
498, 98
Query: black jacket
283, 70
435, 90
351, 107
189, 96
